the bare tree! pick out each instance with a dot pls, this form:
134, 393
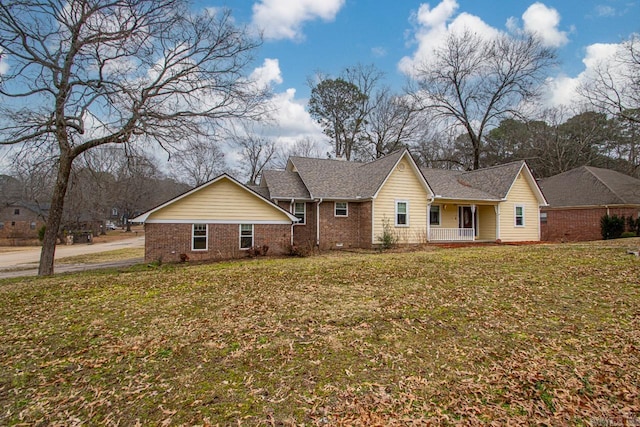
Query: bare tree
474, 82
256, 153
198, 162
304, 147
614, 85
85, 73
392, 123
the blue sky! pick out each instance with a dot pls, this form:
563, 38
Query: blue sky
302, 37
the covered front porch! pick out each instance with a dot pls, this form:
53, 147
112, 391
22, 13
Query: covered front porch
461, 221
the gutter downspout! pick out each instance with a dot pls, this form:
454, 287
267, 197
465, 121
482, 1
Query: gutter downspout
292, 223
318, 222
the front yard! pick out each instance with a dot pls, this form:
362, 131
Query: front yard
506, 334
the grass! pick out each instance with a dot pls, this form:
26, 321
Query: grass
100, 257
545, 334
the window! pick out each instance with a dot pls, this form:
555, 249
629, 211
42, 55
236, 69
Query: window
114, 211
402, 213
199, 237
32, 226
519, 216
1, 225
246, 236
341, 209
543, 217
16, 211
434, 215
300, 211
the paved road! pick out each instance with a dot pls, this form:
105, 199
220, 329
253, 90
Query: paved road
24, 262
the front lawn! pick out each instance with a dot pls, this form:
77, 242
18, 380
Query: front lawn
507, 334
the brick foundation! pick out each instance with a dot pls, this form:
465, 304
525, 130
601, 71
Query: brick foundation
167, 242
574, 225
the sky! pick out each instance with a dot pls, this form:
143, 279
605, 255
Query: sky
303, 37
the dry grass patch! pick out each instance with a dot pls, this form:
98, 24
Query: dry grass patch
533, 334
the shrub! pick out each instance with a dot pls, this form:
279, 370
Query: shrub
41, 232
388, 238
634, 225
628, 234
612, 227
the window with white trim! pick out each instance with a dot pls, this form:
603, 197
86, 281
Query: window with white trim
199, 236
402, 213
246, 236
300, 212
32, 226
434, 215
543, 217
341, 209
519, 214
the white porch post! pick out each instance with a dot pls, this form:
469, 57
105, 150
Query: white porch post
496, 208
473, 220
428, 222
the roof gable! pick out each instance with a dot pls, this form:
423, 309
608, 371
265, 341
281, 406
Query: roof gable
591, 186
245, 193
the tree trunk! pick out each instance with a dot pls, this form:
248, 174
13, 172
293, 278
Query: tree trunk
55, 216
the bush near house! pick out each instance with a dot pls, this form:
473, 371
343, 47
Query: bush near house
612, 226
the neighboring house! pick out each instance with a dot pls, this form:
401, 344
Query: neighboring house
579, 198
219, 219
344, 204
21, 220
340, 204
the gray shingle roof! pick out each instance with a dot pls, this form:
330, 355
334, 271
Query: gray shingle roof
284, 184
590, 186
491, 183
339, 179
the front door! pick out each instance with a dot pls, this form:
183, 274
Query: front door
466, 217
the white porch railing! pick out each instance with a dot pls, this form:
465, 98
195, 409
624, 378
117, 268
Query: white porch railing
451, 234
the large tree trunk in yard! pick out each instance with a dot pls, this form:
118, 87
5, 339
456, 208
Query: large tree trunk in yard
55, 217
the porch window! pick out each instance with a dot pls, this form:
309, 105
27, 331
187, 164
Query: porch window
341, 209
199, 237
402, 213
300, 212
434, 215
519, 209
246, 236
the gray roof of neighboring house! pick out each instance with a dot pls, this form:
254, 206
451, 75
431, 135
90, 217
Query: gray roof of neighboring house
339, 179
591, 186
491, 183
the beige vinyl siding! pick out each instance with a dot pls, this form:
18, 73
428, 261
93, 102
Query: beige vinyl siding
219, 201
402, 185
520, 194
448, 215
486, 222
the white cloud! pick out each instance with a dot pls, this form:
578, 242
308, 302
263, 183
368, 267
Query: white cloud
543, 22
432, 27
268, 74
4, 67
603, 10
283, 19
561, 90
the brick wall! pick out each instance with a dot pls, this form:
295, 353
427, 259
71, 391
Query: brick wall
352, 231
18, 226
167, 242
573, 225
